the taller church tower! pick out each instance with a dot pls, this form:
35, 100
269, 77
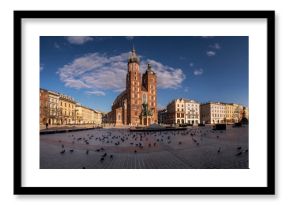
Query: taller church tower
133, 88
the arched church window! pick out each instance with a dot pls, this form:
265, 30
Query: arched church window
144, 98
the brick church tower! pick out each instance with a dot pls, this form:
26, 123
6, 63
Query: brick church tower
133, 88
149, 82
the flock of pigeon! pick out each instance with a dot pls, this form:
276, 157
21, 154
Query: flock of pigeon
108, 141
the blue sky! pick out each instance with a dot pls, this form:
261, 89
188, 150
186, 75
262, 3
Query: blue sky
92, 69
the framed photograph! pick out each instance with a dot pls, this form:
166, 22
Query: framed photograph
144, 102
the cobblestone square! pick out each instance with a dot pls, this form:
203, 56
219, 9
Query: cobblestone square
194, 148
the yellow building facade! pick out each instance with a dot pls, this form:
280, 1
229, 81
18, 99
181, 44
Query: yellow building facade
67, 110
85, 115
233, 112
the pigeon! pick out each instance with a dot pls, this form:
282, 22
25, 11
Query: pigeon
239, 148
62, 152
238, 154
71, 150
219, 150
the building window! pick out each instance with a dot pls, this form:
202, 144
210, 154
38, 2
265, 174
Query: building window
144, 98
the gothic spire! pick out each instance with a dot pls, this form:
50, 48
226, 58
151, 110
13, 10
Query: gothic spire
133, 58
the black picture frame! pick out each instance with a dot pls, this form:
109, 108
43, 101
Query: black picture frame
268, 190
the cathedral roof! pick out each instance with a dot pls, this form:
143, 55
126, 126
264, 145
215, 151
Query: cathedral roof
121, 96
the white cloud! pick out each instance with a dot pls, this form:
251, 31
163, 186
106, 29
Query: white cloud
41, 67
167, 77
191, 64
97, 93
78, 40
129, 37
186, 89
74, 83
198, 71
102, 72
210, 53
56, 45
215, 46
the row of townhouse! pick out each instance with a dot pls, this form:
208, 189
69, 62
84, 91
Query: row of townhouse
185, 111
59, 109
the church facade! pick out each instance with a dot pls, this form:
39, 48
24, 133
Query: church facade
137, 105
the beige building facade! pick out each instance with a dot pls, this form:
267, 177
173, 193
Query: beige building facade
85, 115
176, 112
213, 113
67, 110
234, 112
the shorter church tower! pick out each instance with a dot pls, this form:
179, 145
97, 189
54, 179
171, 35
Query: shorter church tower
149, 82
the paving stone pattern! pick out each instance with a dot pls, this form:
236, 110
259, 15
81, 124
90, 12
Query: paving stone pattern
194, 148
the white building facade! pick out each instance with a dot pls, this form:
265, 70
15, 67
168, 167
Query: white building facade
192, 112
53, 108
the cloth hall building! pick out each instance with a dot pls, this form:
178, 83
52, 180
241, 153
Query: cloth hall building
137, 105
